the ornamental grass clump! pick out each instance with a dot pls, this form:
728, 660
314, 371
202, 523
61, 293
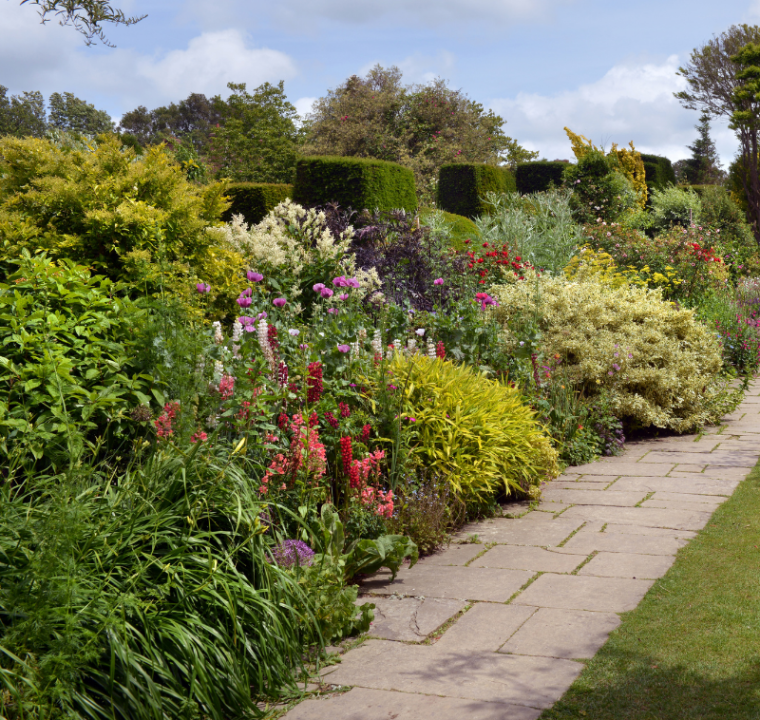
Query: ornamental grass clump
658, 365
475, 432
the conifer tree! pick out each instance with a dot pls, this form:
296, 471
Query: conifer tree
703, 167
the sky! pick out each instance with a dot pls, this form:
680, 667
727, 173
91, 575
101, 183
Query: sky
605, 69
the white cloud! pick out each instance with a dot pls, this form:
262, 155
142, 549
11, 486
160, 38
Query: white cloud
304, 105
631, 102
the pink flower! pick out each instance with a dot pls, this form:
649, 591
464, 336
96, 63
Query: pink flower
438, 281
340, 281
317, 287
353, 282
279, 302
344, 348
200, 435
248, 292
332, 311
343, 296
254, 276
244, 302
326, 292
203, 287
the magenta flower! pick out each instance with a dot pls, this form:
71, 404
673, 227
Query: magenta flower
344, 348
332, 311
438, 281
340, 281
203, 287
318, 287
343, 296
248, 292
353, 282
303, 346
246, 321
326, 292
261, 316
244, 302
254, 276
279, 302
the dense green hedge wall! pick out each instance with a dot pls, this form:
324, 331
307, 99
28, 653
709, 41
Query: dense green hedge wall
659, 172
254, 200
537, 176
357, 183
462, 187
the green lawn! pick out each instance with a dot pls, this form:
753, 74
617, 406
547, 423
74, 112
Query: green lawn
691, 649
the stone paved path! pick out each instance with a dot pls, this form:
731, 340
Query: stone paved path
536, 595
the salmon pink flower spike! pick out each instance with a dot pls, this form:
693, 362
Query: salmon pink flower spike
279, 302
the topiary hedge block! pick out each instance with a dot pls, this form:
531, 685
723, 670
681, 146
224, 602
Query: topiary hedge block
658, 171
358, 183
539, 176
254, 200
462, 187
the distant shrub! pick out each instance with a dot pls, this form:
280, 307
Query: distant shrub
359, 183
456, 228
659, 172
539, 176
462, 187
658, 365
254, 201
675, 207
473, 431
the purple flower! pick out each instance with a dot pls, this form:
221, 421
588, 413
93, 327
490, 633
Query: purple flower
326, 292
340, 281
279, 302
318, 287
261, 316
247, 293
244, 302
254, 276
332, 311
343, 296
292, 552
203, 287
615, 367
438, 281
344, 348
303, 346
353, 282
246, 321
411, 419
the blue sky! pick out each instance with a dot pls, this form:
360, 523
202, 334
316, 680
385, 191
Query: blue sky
605, 69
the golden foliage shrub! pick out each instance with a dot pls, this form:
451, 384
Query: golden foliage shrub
658, 364
475, 432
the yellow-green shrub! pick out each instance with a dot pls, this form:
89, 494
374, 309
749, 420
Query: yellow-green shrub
476, 432
659, 365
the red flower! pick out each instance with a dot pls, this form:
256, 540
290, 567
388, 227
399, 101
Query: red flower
314, 382
346, 453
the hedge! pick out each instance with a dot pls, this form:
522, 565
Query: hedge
254, 200
462, 187
532, 177
358, 183
658, 171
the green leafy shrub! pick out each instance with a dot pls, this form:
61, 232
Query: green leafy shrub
658, 365
475, 432
359, 183
147, 595
455, 228
66, 365
659, 172
539, 176
675, 207
254, 201
462, 187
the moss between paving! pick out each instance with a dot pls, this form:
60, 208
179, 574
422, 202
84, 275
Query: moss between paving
691, 649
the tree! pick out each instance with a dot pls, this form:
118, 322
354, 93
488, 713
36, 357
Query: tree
419, 126
22, 115
86, 16
70, 114
703, 167
719, 79
258, 138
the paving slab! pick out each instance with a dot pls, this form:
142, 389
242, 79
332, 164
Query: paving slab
485, 627
677, 445
365, 704
562, 633
602, 480
454, 554
550, 505
657, 502
711, 472
574, 592
687, 485
464, 583
614, 528
525, 557
410, 619
626, 565
491, 677
595, 497
654, 517
575, 485
721, 458
540, 529
617, 467
584, 543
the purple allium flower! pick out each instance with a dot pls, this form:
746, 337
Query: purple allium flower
203, 287
254, 276
438, 281
326, 292
344, 348
279, 302
340, 281
244, 302
292, 552
353, 282
317, 287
